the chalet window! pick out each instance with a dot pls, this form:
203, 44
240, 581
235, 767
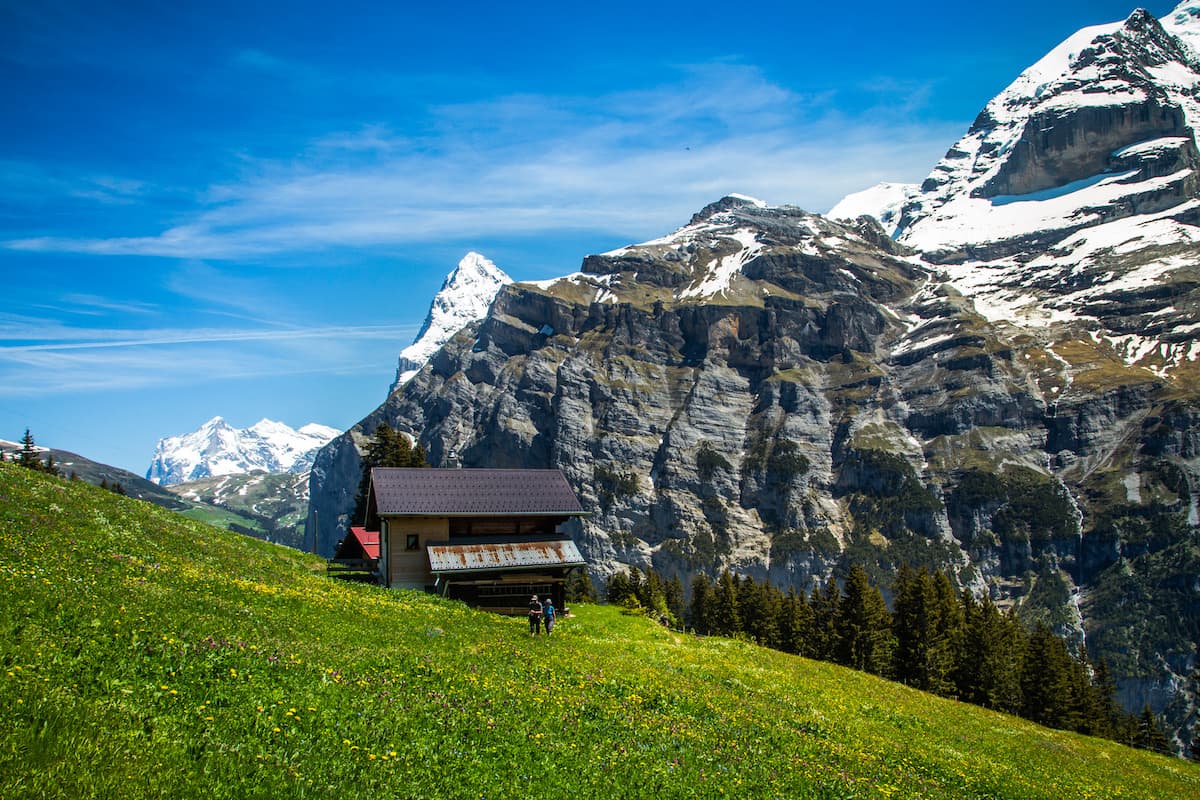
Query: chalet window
411, 541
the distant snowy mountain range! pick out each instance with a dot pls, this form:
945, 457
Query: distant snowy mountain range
217, 448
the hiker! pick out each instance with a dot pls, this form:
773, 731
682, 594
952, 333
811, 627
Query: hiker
535, 616
548, 614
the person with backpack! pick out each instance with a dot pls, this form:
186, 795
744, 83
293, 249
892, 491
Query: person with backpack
535, 616
548, 614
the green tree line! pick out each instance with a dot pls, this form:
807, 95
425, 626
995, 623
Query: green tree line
934, 638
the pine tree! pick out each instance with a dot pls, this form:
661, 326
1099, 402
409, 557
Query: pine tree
27, 456
912, 596
797, 624
580, 588
700, 608
864, 626
387, 448
618, 590
759, 605
726, 617
1103, 714
675, 605
825, 604
635, 584
1150, 734
1048, 683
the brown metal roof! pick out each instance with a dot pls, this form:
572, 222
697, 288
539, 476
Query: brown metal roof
404, 491
445, 558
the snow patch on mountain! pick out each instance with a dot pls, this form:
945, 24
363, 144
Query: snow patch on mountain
217, 448
1184, 23
464, 298
883, 201
719, 274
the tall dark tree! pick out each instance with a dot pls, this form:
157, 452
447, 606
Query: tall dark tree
1193, 750
1150, 734
700, 608
1103, 713
912, 594
673, 589
1049, 687
864, 626
759, 606
797, 625
726, 618
825, 602
618, 590
580, 588
388, 448
28, 456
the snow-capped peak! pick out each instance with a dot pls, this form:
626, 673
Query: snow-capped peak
465, 297
217, 448
1074, 188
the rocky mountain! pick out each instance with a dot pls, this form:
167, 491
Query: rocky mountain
464, 298
217, 448
1006, 390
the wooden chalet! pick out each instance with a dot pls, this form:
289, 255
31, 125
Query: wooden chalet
489, 537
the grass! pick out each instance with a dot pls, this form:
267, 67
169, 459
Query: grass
147, 655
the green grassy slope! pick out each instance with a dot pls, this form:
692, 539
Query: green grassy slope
147, 655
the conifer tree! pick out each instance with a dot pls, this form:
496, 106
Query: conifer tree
636, 588
700, 608
797, 625
387, 448
1193, 750
580, 588
912, 597
1048, 686
27, 456
864, 626
1102, 713
1150, 734
824, 603
759, 605
725, 618
673, 589
618, 589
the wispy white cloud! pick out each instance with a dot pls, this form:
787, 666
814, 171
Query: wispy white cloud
37, 359
631, 164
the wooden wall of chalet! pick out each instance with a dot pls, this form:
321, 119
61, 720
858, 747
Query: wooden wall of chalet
408, 567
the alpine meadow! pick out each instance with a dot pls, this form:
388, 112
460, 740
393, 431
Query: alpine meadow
147, 655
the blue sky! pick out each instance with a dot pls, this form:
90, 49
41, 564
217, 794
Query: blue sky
243, 209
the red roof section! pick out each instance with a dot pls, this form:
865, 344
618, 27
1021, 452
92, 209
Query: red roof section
368, 540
